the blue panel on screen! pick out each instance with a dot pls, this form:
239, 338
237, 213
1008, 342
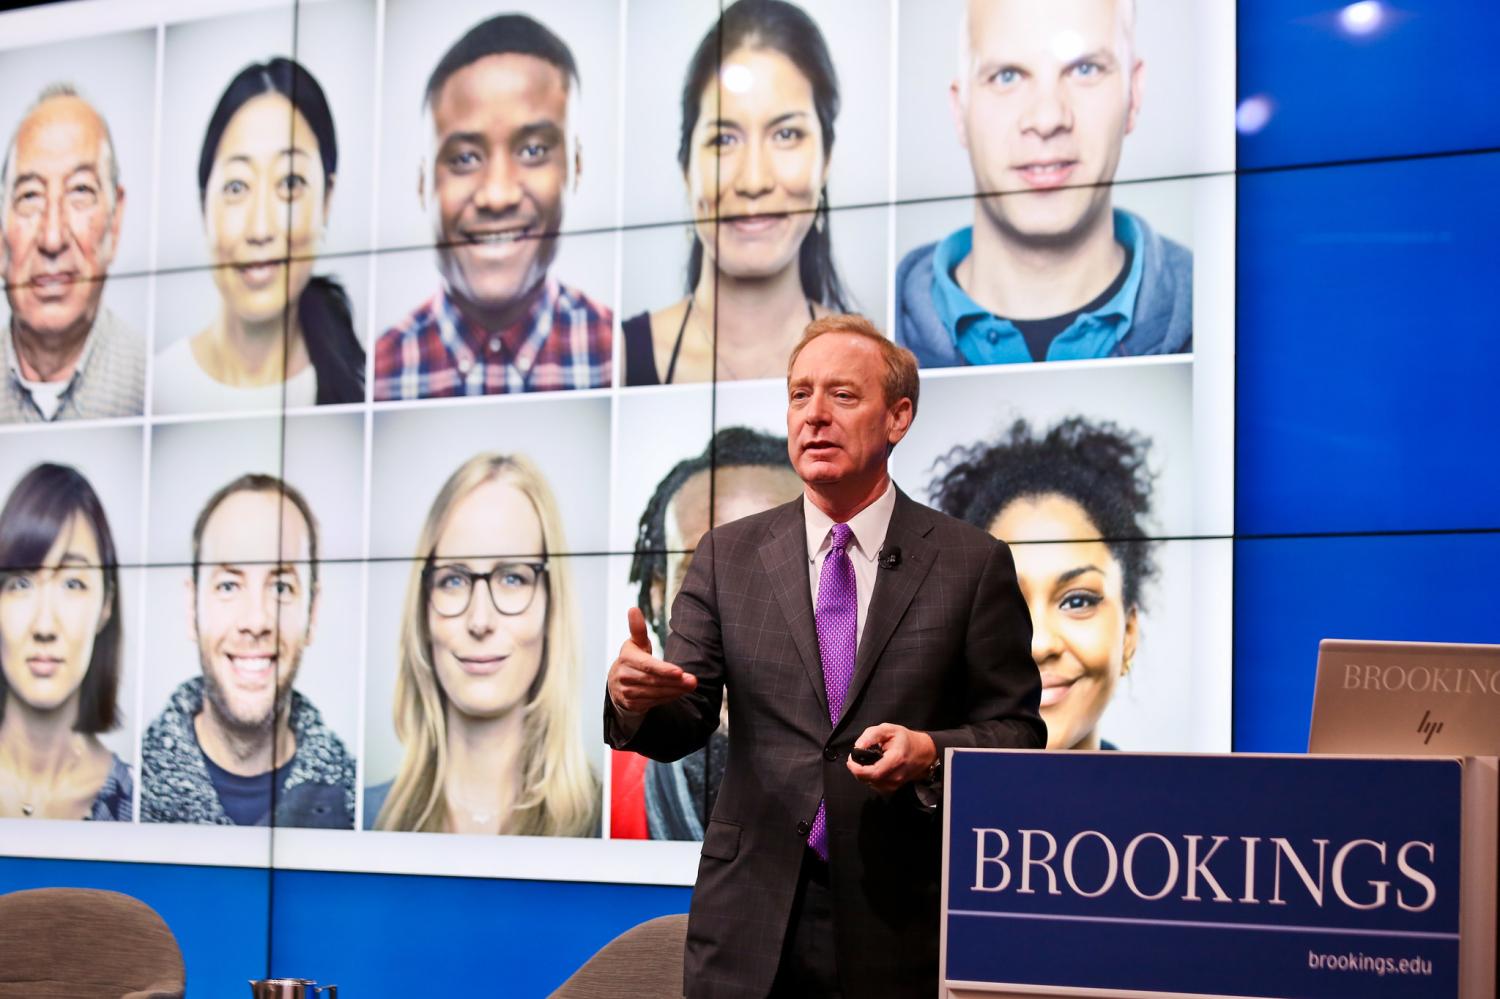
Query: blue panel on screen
1366, 396
459, 936
1290, 593
218, 914
1354, 80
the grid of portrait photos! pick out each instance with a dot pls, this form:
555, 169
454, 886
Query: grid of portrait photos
368, 360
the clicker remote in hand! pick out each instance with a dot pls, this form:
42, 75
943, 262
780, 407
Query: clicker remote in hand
866, 756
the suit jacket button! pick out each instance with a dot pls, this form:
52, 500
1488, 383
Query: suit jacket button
831, 755
803, 828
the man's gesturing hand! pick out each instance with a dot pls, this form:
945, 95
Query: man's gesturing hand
906, 756
638, 681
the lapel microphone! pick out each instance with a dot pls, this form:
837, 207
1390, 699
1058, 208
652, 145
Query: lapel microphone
889, 557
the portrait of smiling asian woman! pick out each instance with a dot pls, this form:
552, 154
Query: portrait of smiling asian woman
266, 179
487, 684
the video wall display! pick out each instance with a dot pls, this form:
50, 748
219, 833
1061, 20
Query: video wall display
367, 360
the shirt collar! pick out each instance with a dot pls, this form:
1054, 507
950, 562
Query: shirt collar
460, 333
953, 303
958, 311
13, 358
869, 525
12, 361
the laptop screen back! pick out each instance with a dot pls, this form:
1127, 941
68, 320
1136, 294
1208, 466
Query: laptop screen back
1406, 699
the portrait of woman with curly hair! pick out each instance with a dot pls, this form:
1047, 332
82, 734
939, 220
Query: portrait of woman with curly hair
1073, 502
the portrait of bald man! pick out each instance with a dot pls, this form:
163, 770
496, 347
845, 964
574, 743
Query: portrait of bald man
1045, 95
66, 355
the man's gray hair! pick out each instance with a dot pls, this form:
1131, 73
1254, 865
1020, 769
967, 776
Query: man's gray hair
108, 166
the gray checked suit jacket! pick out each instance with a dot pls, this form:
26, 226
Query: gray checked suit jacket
946, 649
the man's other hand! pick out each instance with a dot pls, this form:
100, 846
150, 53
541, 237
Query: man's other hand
906, 756
638, 681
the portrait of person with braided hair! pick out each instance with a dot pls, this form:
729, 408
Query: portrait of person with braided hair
745, 471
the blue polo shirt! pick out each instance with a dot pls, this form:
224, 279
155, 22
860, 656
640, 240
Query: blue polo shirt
984, 338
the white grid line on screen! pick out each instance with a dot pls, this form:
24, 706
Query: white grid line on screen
617, 350
894, 91
143, 577
377, 136
154, 232
158, 71
28, 429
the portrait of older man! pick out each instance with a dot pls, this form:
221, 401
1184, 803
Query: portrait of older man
501, 160
66, 356
1050, 270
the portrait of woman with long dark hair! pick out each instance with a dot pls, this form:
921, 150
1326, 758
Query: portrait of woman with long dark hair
759, 105
282, 336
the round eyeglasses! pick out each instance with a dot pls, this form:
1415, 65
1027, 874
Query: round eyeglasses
512, 586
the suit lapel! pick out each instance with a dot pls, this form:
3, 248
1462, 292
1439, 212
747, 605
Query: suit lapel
784, 558
894, 589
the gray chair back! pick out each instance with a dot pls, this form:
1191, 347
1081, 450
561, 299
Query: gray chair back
644, 962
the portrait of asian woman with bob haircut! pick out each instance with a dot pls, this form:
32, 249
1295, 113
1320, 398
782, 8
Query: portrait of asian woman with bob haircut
755, 147
487, 687
1072, 503
59, 653
282, 335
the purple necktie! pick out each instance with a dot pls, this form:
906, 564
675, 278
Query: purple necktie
837, 616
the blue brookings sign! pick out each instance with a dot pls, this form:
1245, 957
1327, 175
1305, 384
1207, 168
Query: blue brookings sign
1217, 875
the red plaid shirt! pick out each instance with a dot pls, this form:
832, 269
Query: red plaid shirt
563, 342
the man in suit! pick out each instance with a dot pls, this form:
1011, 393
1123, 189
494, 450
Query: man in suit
850, 617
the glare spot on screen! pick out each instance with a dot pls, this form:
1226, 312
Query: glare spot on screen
737, 78
1068, 45
1362, 18
1253, 114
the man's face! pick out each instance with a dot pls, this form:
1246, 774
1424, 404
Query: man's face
1050, 92
252, 607
60, 232
499, 175
839, 428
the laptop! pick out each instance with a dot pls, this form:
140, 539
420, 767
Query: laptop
1406, 699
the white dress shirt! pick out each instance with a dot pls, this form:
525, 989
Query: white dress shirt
869, 527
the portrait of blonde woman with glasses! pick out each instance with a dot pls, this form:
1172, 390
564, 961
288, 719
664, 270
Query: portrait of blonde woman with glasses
487, 682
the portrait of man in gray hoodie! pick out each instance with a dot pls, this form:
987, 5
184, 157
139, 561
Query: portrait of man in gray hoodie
1046, 93
238, 745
